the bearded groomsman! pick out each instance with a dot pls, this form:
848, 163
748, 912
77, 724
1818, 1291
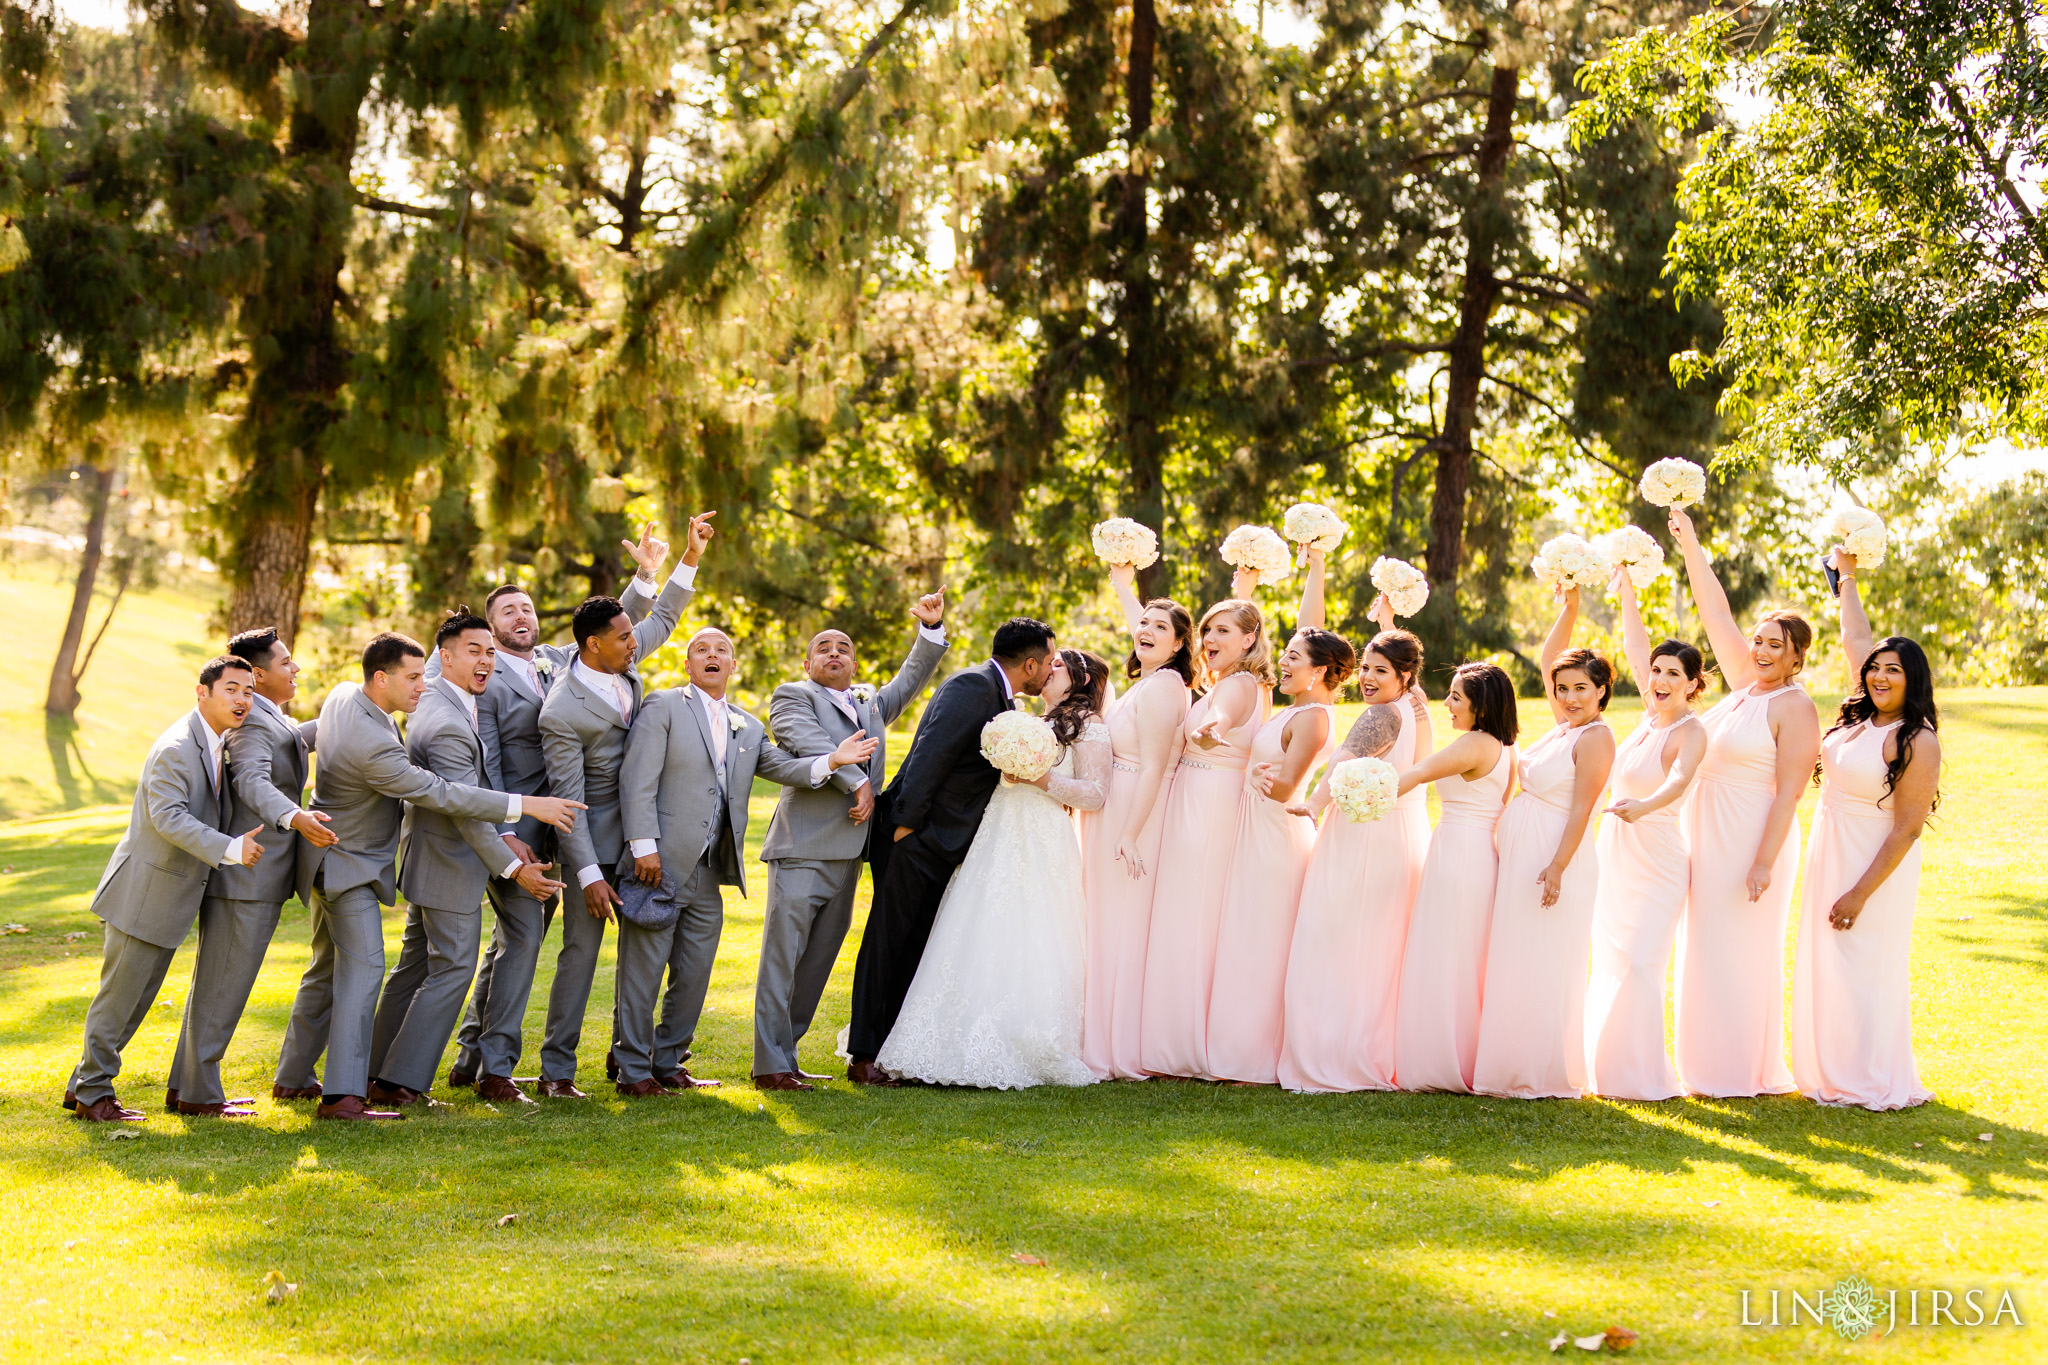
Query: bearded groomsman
151, 890
444, 864
508, 721
815, 841
266, 766
362, 783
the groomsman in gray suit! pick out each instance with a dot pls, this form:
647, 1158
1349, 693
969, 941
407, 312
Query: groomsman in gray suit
362, 783
150, 892
814, 844
266, 765
508, 719
444, 864
691, 760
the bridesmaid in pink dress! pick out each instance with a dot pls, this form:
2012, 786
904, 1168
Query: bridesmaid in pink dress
1120, 843
1762, 742
1443, 966
1202, 810
1644, 868
1532, 1016
1852, 994
1273, 844
1344, 966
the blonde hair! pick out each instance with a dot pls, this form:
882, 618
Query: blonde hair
1258, 656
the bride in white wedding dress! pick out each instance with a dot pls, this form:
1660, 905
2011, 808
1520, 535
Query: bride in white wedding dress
997, 998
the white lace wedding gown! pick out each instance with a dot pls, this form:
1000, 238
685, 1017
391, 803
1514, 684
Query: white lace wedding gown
997, 998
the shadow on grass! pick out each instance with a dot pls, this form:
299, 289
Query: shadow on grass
2006, 905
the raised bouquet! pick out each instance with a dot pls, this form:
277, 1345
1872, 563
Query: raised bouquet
1634, 551
1861, 532
1258, 549
1020, 745
1123, 541
1364, 788
1313, 526
1405, 586
1570, 561
1674, 483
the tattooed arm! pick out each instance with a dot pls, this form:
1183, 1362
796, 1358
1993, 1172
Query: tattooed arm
1372, 734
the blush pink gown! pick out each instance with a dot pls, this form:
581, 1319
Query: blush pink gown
1729, 1012
1120, 905
1257, 927
1852, 994
1344, 966
1644, 871
1436, 1020
1532, 1016
1194, 863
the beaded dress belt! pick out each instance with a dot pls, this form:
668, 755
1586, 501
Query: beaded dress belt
1213, 767
1123, 767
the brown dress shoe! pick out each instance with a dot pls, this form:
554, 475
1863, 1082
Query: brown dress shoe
350, 1108
304, 1092
683, 1080
502, 1090
170, 1101
70, 1100
642, 1090
611, 1065
459, 1079
382, 1093
107, 1110
781, 1080
218, 1111
867, 1073
561, 1090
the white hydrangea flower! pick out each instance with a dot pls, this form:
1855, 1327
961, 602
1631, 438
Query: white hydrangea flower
1020, 745
1405, 586
1364, 789
1634, 550
1570, 561
1861, 532
1123, 541
1259, 549
1313, 526
1674, 483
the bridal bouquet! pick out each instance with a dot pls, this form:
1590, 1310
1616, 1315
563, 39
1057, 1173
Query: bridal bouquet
1861, 532
1257, 548
1121, 541
1404, 585
1674, 483
1569, 561
1635, 551
1313, 526
1020, 745
1364, 788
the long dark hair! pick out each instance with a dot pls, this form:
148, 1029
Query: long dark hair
1088, 676
1919, 714
1492, 694
1183, 660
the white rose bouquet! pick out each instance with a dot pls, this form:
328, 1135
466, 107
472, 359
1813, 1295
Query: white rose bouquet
1406, 587
1570, 561
1313, 526
1258, 549
1674, 483
1020, 745
1634, 551
1364, 788
1861, 532
1123, 541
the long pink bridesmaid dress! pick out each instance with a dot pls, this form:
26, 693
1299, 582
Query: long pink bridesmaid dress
1852, 994
1257, 927
1120, 905
1194, 863
1728, 1026
1644, 872
1344, 966
1436, 1019
1532, 1016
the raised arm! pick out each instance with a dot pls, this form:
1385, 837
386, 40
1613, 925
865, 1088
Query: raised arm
652, 633
1911, 801
1857, 636
917, 668
1797, 727
1160, 712
1309, 615
1557, 642
1123, 579
1635, 639
1592, 760
1731, 648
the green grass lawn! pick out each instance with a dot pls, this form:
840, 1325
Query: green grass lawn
1155, 1221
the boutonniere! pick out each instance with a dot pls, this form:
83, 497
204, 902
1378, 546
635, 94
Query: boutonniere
544, 666
733, 722
862, 692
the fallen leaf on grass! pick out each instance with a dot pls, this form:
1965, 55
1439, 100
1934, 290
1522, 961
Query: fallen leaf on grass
123, 1135
1592, 1343
1620, 1338
1025, 1258
1983, 1137
13, 928
276, 1289
1557, 1343
1711, 1203
508, 1220
74, 936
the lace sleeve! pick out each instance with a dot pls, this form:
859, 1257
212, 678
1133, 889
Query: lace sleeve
1089, 786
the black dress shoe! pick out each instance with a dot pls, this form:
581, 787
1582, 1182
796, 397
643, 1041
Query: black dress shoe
611, 1065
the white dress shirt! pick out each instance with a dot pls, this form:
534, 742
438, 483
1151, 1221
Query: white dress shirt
217, 778
1009, 692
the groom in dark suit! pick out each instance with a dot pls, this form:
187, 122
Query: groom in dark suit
933, 807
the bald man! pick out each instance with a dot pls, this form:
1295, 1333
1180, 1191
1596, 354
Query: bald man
816, 839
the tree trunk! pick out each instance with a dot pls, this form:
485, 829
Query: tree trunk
1486, 221
63, 698
1142, 388
272, 551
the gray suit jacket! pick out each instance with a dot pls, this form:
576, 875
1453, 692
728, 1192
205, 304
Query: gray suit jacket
362, 781
154, 882
669, 790
807, 722
266, 786
443, 861
585, 744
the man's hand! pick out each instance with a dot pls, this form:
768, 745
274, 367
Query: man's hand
930, 608
647, 869
649, 553
853, 751
534, 877
519, 849
252, 852
599, 898
552, 810
700, 533
863, 804
312, 827
902, 832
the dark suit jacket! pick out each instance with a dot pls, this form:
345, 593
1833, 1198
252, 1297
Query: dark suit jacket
944, 784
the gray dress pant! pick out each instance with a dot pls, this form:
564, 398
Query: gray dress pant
493, 1029
337, 1001
575, 972
233, 938
685, 951
131, 973
810, 906
423, 996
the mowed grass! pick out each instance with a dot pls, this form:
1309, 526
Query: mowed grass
1160, 1221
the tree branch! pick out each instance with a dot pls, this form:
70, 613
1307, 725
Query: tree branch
1317, 362
1991, 167
1578, 298
1563, 421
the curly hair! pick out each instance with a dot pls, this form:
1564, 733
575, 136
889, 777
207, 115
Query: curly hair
1258, 656
1088, 679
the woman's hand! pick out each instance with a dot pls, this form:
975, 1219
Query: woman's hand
1262, 777
1381, 613
1569, 596
1629, 809
1682, 533
1123, 575
1552, 881
1209, 734
1845, 564
1243, 583
1299, 808
1843, 916
1127, 854
1758, 881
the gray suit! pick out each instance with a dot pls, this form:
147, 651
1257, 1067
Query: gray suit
444, 864
362, 783
266, 786
508, 718
675, 790
150, 894
813, 851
